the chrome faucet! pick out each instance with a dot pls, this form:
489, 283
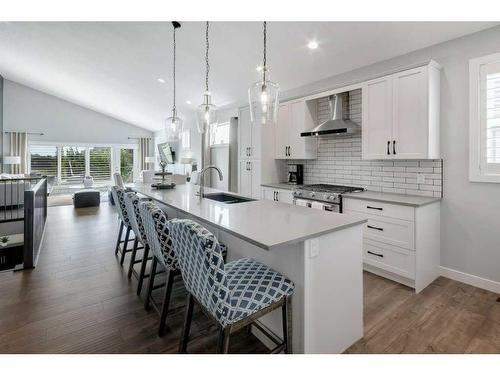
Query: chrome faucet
201, 192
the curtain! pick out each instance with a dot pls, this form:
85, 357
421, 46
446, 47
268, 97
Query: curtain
19, 147
144, 151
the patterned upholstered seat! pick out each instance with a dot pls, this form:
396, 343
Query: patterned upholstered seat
158, 235
228, 292
132, 201
253, 286
118, 196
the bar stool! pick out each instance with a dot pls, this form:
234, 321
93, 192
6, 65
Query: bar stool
132, 202
235, 294
158, 237
118, 196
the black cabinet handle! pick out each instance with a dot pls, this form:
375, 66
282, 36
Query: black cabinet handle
277, 196
249, 165
394, 147
375, 208
388, 145
376, 228
289, 150
377, 255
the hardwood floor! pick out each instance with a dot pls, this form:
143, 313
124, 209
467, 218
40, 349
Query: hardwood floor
79, 300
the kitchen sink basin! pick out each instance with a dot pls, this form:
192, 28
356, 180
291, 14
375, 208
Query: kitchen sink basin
226, 198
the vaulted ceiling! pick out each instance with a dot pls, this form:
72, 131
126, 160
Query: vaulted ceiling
113, 67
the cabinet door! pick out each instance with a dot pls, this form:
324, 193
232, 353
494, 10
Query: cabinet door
245, 133
245, 179
282, 131
268, 194
410, 120
301, 119
377, 119
255, 146
285, 196
254, 166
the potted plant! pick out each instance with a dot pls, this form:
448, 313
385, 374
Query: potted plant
4, 240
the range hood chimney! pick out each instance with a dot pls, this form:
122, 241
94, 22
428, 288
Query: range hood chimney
337, 124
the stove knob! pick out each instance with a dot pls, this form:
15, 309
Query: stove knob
331, 197
312, 195
299, 193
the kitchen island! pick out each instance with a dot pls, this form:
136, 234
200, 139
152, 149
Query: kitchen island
320, 251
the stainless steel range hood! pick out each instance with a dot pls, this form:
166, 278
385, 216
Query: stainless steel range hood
337, 124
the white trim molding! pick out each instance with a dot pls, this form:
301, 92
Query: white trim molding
479, 169
479, 282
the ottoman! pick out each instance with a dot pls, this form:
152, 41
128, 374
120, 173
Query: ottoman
87, 198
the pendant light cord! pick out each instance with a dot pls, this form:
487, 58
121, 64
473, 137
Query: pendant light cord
206, 57
265, 53
174, 108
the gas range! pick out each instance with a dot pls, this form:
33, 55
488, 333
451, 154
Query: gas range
324, 192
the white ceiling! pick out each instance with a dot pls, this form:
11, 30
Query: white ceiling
113, 67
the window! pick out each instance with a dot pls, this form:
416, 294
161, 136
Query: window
72, 164
43, 159
220, 134
100, 163
484, 118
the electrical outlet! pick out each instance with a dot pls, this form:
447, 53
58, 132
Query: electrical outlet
314, 248
420, 178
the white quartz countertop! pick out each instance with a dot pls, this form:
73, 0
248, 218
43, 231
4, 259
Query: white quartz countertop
406, 200
264, 223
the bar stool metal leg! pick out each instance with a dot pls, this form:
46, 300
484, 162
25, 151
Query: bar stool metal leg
287, 326
187, 324
119, 240
132, 258
142, 272
125, 244
166, 302
151, 283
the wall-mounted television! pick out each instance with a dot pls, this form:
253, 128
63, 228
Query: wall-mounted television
166, 153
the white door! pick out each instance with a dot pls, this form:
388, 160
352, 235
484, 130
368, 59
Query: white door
254, 166
377, 119
245, 182
410, 125
283, 128
245, 133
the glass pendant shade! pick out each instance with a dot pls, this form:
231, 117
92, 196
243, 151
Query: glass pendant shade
173, 127
206, 114
263, 98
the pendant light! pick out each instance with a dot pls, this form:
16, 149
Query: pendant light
206, 112
263, 95
173, 124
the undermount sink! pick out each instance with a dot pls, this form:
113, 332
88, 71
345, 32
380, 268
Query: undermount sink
226, 198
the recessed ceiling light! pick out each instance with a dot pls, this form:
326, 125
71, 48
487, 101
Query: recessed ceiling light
161, 80
312, 44
188, 101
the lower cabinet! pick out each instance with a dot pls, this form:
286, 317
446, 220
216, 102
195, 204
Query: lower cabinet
400, 242
277, 195
249, 178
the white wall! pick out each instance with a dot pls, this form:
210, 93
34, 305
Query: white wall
26, 109
470, 213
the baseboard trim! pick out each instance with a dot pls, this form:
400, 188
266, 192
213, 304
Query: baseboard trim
479, 282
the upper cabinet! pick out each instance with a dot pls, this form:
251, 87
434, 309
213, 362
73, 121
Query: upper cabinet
249, 136
295, 117
401, 115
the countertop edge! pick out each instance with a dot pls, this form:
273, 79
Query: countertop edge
393, 201
279, 185
252, 241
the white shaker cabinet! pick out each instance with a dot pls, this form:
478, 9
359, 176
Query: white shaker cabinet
277, 195
249, 142
401, 115
249, 178
295, 117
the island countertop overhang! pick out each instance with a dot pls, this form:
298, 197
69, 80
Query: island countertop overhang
263, 223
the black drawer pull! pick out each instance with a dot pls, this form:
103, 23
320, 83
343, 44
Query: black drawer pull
388, 145
377, 255
375, 208
376, 228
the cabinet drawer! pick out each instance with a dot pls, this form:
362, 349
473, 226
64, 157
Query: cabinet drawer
392, 231
379, 209
389, 258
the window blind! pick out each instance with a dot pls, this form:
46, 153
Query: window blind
100, 163
493, 118
72, 164
43, 159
